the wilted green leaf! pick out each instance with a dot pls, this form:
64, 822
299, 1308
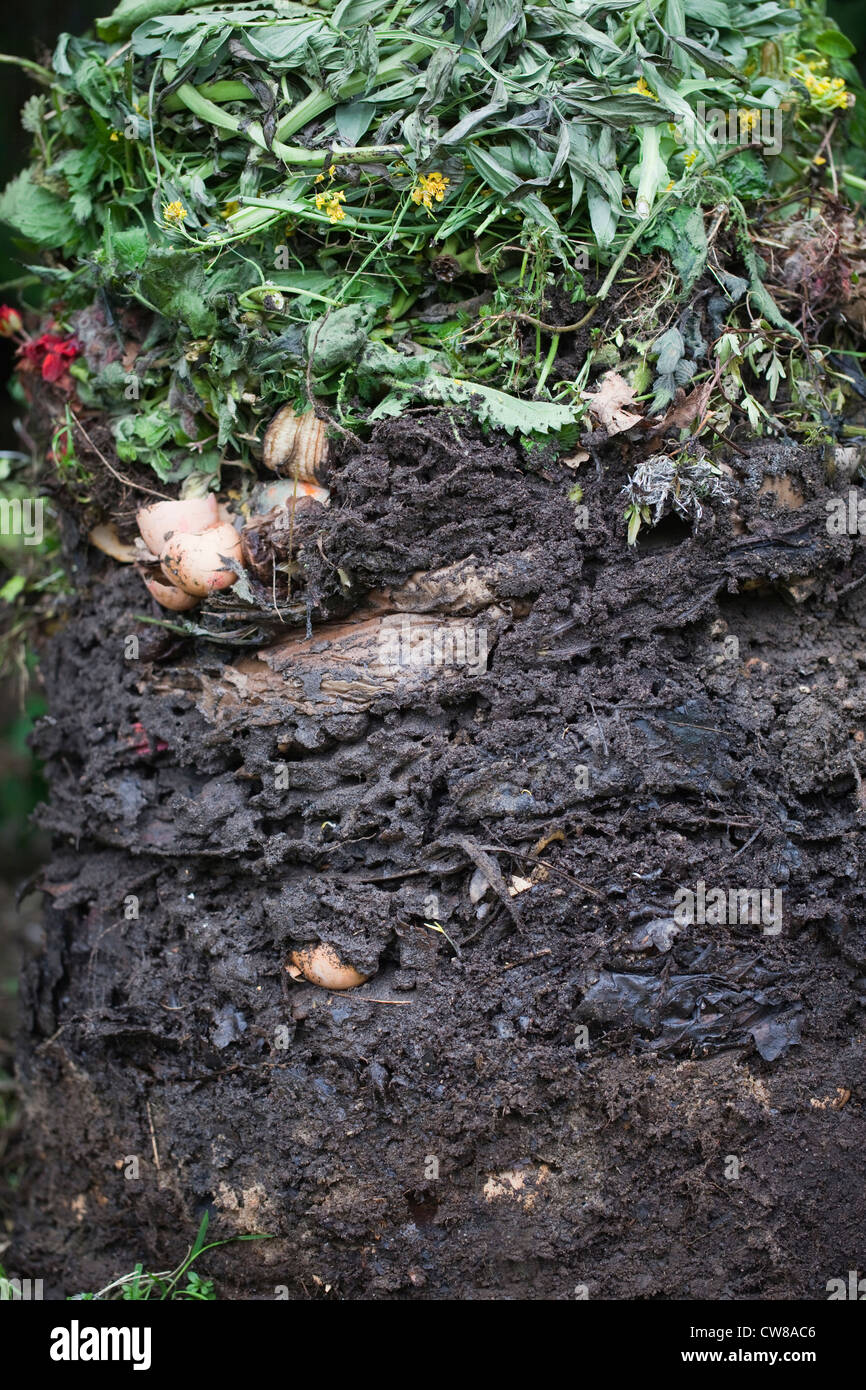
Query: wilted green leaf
35, 213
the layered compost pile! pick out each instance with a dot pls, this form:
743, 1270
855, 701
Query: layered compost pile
453, 423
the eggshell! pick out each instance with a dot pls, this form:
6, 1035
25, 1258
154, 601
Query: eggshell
321, 965
280, 494
197, 563
162, 519
106, 539
169, 596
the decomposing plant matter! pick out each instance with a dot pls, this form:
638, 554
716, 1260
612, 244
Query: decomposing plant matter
661, 484
385, 204
367, 334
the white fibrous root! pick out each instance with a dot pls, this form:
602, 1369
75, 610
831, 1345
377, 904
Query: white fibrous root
296, 445
321, 965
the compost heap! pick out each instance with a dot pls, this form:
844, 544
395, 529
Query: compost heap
455, 438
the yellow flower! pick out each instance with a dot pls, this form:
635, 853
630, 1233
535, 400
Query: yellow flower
320, 178
430, 188
826, 93
114, 135
643, 89
819, 159
230, 208
174, 212
329, 203
689, 159
748, 120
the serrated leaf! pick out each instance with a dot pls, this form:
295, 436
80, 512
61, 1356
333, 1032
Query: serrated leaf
681, 233
174, 283
495, 408
35, 213
669, 349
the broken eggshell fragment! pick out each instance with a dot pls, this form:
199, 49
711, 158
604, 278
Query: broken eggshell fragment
321, 965
280, 494
296, 445
161, 520
169, 596
106, 539
200, 564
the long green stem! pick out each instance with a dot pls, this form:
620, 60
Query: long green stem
548, 363
191, 97
389, 236
213, 91
300, 209
319, 100
41, 74
652, 168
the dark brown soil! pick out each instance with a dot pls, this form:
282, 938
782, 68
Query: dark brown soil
437, 1132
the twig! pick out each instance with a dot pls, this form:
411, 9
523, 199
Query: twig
127, 482
152, 1135
751, 840
730, 443
855, 584
825, 145
534, 859
858, 780
548, 327
601, 731
369, 999
512, 964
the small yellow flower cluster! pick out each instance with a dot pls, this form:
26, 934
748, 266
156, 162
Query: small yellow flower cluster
430, 188
174, 213
748, 119
689, 159
643, 89
827, 93
230, 208
330, 203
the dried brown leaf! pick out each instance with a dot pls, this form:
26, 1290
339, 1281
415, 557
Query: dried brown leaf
608, 404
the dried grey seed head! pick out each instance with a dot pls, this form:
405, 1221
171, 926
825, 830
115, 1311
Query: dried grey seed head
664, 485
